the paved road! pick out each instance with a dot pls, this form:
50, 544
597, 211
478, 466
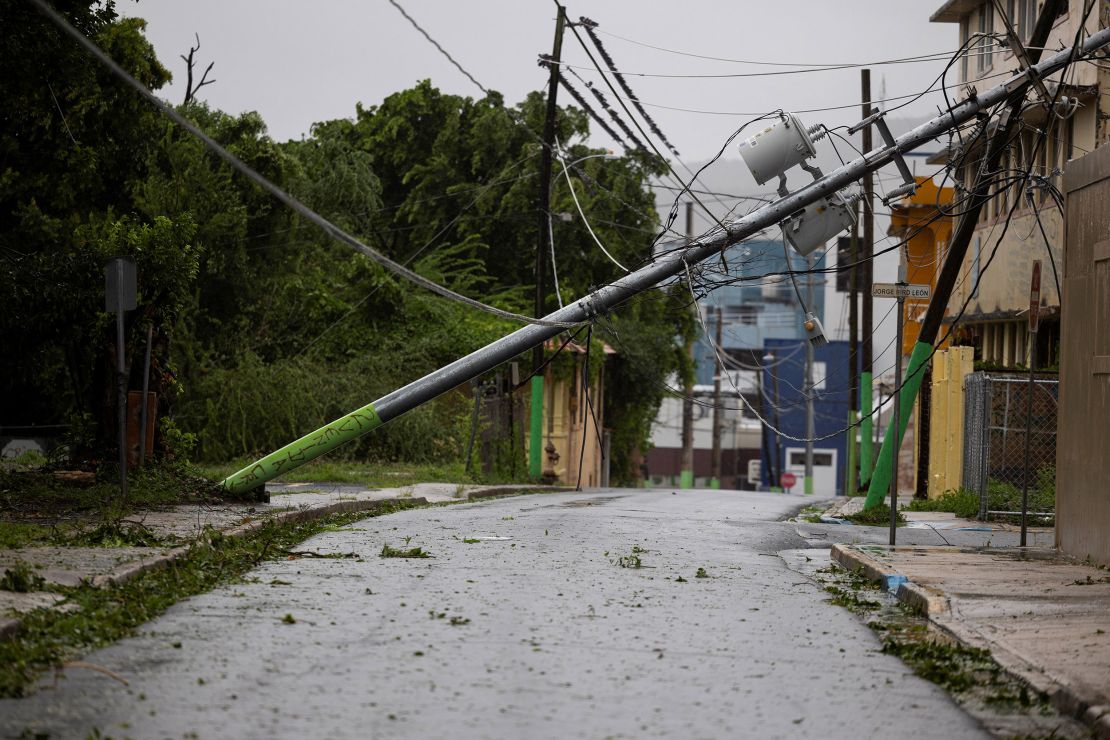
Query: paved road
536, 633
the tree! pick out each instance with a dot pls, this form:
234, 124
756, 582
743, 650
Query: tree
72, 139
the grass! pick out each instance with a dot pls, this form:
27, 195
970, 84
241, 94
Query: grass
100, 616
1001, 496
372, 475
963, 503
40, 494
876, 516
971, 675
21, 578
389, 551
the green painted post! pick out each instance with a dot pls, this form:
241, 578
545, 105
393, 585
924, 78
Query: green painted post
880, 481
809, 485
535, 437
866, 429
853, 454
686, 479
309, 447
714, 483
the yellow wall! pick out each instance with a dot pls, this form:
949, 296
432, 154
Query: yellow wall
946, 425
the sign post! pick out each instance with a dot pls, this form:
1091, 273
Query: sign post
1034, 319
119, 296
900, 290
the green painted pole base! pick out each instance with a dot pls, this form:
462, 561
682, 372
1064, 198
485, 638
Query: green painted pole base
809, 485
714, 483
880, 481
535, 435
309, 447
851, 485
866, 429
686, 479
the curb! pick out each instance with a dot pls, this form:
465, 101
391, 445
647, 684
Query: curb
936, 607
929, 601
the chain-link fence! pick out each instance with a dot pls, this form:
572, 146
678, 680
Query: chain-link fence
995, 423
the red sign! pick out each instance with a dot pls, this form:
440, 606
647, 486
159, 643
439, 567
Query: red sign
1035, 297
788, 480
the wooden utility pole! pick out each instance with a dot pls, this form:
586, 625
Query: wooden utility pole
543, 247
686, 468
718, 416
865, 276
851, 483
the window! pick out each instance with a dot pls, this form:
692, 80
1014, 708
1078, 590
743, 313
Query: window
986, 27
1023, 14
974, 276
963, 41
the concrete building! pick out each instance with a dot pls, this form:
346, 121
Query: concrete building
996, 299
758, 305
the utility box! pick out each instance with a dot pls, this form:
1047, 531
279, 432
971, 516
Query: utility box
775, 149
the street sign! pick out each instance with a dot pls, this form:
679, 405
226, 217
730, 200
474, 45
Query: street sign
900, 290
1035, 297
788, 479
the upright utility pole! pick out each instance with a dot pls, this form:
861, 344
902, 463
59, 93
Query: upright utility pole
851, 483
810, 428
543, 247
866, 276
686, 470
718, 415
979, 194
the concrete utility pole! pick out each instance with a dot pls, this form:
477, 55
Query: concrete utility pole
686, 470
1013, 91
543, 247
718, 414
810, 433
672, 262
866, 276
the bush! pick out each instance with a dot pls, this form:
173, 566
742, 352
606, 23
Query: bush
962, 502
256, 407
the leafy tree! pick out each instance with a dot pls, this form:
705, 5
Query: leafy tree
72, 138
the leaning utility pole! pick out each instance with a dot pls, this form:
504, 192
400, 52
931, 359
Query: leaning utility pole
543, 247
686, 469
672, 262
718, 415
866, 276
1013, 92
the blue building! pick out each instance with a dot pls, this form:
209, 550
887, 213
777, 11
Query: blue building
759, 305
782, 384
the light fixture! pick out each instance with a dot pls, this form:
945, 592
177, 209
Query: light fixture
814, 331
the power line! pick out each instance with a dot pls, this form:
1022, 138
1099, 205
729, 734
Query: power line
590, 25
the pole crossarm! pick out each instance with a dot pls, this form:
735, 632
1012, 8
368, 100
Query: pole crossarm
673, 263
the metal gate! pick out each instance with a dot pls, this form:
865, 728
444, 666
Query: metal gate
994, 441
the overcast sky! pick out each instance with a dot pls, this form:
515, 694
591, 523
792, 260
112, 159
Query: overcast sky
297, 63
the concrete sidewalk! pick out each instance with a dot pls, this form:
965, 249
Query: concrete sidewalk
1044, 617
180, 526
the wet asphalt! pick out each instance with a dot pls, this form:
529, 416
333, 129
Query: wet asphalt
535, 630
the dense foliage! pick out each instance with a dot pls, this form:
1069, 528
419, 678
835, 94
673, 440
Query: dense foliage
265, 327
